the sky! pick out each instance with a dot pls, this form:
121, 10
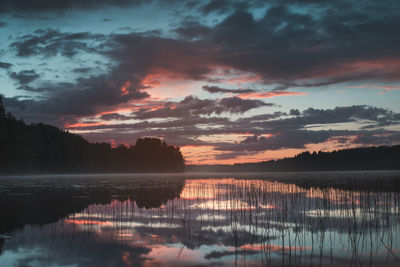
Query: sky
227, 81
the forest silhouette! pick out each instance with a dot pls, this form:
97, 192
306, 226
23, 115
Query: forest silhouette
45, 148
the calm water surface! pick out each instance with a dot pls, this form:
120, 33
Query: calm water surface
281, 219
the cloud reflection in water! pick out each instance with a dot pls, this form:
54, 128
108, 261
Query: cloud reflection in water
212, 221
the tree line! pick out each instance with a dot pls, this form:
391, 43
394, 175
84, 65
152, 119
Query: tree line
44, 148
365, 158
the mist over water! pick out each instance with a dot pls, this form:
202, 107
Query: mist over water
289, 219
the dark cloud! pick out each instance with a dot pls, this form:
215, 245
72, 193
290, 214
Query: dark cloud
216, 89
85, 97
238, 105
51, 42
192, 30
144, 54
81, 70
294, 112
25, 76
345, 114
5, 65
296, 49
114, 116
377, 138
285, 46
292, 132
2, 24
134, 57
220, 6
185, 108
51, 6
264, 117
299, 139
193, 106
372, 115
13, 103
290, 139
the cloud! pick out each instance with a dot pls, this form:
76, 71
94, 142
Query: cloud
221, 6
292, 132
193, 106
216, 89
377, 138
192, 29
270, 94
25, 76
61, 5
289, 139
135, 56
342, 114
87, 96
294, 112
114, 116
273, 124
288, 47
238, 105
146, 54
51, 42
5, 65
284, 47
81, 70
273, 131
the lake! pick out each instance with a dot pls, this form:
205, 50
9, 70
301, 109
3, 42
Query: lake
201, 219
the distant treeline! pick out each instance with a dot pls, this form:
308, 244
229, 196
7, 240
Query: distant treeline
44, 148
366, 158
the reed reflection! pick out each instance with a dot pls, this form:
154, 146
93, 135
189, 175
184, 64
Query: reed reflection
231, 221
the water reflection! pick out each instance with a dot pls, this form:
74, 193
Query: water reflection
116, 221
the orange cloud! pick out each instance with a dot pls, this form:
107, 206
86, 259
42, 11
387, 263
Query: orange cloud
82, 124
124, 88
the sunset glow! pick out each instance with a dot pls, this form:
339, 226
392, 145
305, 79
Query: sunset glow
199, 133
294, 77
